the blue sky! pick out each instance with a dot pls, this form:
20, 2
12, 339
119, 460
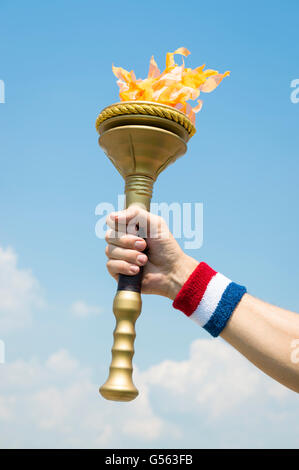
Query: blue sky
55, 61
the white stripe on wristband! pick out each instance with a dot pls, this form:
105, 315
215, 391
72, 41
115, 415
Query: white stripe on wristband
210, 300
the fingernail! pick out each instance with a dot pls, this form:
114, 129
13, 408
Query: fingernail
134, 269
139, 245
142, 259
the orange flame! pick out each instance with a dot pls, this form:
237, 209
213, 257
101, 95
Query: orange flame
174, 87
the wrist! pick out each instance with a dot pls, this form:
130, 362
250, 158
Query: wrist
209, 298
179, 274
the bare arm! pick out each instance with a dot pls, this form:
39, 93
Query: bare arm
261, 332
264, 334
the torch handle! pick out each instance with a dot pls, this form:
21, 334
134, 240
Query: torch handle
130, 283
127, 308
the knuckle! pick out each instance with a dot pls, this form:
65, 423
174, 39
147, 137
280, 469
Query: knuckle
124, 241
130, 257
109, 220
158, 220
128, 242
107, 235
124, 267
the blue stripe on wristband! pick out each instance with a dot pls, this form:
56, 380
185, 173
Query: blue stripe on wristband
227, 304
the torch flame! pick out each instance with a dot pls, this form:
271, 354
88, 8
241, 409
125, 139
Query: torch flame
174, 87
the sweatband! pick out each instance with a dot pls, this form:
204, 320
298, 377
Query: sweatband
209, 298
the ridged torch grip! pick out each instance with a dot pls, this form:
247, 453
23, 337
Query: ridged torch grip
119, 386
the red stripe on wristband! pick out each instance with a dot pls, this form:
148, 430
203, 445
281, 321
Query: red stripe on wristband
194, 288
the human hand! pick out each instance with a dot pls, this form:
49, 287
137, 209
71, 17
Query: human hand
166, 266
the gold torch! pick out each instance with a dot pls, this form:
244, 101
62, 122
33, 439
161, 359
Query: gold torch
141, 138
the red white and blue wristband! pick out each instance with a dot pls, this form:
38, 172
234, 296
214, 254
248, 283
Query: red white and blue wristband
209, 298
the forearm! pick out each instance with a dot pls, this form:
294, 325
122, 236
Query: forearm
264, 334
261, 332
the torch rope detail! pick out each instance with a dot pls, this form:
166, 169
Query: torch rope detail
153, 109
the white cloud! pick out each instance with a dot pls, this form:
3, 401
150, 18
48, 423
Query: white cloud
215, 378
62, 363
223, 399
56, 404
20, 294
82, 309
215, 398
2, 351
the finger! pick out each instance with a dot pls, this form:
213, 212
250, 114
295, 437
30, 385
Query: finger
125, 240
122, 227
131, 256
116, 267
129, 220
127, 214
121, 217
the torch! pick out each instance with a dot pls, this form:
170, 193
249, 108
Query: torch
141, 138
